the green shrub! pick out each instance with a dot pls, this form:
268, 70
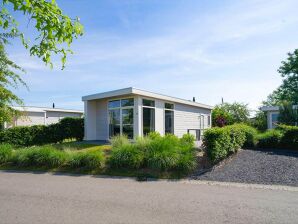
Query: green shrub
5, 153
188, 139
86, 160
119, 140
289, 140
72, 128
67, 128
45, 156
221, 142
270, 139
251, 134
126, 156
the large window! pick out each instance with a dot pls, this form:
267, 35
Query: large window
169, 118
148, 116
121, 117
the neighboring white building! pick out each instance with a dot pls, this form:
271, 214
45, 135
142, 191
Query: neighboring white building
136, 112
272, 115
41, 116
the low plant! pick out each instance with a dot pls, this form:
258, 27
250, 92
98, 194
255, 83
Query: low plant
188, 139
119, 140
45, 156
126, 156
270, 139
86, 160
5, 153
171, 153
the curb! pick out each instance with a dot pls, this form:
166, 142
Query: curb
242, 185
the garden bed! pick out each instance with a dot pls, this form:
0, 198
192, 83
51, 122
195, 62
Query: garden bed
270, 166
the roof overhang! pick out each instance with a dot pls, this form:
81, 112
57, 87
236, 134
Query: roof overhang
45, 109
134, 91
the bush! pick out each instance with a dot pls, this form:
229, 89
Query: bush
45, 156
270, 139
40, 134
221, 142
119, 140
251, 134
126, 156
5, 153
86, 160
289, 140
72, 128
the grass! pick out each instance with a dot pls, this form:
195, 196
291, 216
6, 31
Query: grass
158, 157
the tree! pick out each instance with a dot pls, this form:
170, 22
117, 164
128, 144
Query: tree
288, 114
55, 33
226, 114
288, 90
8, 78
260, 121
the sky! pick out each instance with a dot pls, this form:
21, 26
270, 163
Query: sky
191, 48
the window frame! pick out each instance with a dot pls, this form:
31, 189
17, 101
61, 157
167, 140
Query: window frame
142, 112
164, 116
121, 119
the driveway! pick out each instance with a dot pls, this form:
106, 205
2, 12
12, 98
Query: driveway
47, 198
259, 167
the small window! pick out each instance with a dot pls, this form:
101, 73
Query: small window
209, 120
148, 103
114, 104
169, 106
127, 102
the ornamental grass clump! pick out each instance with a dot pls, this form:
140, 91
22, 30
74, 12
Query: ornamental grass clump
44, 156
86, 160
171, 153
155, 152
127, 156
5, 153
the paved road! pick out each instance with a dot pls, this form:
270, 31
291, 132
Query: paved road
46, 198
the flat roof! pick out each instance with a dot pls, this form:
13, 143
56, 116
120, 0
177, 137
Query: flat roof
269, 108
135, 91
44, 109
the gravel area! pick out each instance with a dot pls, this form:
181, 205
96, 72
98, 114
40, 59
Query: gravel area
259, 167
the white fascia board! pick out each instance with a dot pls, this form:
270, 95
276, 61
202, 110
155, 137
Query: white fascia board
108, 94
135, 91
44, 109
269, 108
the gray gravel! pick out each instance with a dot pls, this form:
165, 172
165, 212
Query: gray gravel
259, 167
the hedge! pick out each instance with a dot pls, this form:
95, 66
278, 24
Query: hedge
67, 128
283, 137
222, 142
